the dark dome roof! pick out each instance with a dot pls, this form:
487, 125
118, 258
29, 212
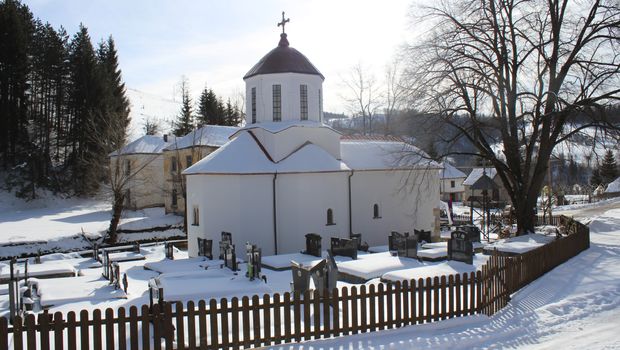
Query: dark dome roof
283, 59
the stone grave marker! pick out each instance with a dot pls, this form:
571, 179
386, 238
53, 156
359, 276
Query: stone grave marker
156, 293
169, 247
115, 276
313, 244
460, 247
473, 232
205, 247
361, 245
224, 243
105, 263
136, 247
423, 236
230, 257
254, 257
344, 247
394, 241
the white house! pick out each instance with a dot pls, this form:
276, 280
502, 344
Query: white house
451, 183
286, 173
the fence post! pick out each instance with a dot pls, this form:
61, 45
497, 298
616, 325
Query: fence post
4, 334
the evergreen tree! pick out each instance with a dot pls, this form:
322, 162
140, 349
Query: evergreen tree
207, 108
595, 179
609, 168
231, 115
185, 121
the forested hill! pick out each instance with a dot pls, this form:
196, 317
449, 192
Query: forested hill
62, 104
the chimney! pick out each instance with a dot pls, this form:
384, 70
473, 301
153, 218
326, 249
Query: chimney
165, 137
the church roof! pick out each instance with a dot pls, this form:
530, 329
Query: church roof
147, 144
283, 59
276, 127
208, 135
245, 155
383, 155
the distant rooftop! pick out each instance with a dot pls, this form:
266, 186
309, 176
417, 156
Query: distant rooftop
476, 173
147, 144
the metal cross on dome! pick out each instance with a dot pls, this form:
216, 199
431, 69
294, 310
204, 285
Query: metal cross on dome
284, 21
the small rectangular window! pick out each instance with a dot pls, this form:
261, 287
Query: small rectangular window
196, 220
127, 167
188, 161
173, 164
303, 101
277, 103
253, 105
452, 184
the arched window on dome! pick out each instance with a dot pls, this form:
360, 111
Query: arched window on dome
277, 102
330, 217
303, 101
253, 105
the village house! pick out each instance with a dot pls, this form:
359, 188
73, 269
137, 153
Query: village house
184, 152
451, 183
138, 165
287, 174
497, 194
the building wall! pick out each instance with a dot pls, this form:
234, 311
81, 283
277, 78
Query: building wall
145, 180
239, 204
406, 201
289, 85
173, 180
457, 191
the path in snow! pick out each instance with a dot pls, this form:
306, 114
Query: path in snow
575, 306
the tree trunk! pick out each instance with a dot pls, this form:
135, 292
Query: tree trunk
117, 211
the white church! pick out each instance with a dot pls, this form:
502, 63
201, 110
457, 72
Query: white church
286, 173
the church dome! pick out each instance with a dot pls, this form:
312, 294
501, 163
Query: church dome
283, 59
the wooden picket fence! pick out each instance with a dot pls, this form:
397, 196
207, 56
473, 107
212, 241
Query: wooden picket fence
291, 317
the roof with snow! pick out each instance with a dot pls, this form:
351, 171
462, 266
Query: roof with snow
208, 135
147, 144
451, 172
476, 174
276, 127
381, 155
283, 59
614, 186
244, 155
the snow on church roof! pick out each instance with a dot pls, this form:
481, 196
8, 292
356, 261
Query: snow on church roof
244, 155
451, 172
208, 135
381, 155
146, 144
276, 127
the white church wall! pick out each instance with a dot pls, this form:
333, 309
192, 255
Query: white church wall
239, 204
303, 200
283, 143
289, 83
402, 207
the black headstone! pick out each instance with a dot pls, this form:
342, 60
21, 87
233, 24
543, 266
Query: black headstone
156, 293
313, 244
254, 257
344, 247
361, 245
224, 243
473, 232
205, 247
423, 236
136, 247
460, 247
169, 248
105, 263
395, 240
230, 257
324, 275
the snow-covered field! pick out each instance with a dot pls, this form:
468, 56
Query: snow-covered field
52, 224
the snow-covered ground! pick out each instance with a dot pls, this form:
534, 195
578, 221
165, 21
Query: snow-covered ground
575, 306
54, 224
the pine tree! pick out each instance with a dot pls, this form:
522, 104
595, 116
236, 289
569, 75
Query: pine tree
207, 108
185, 121
596, 179
608, 168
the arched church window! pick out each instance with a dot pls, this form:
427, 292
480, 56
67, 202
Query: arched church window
303, 101
330, 217
375, 211
253, 105
277, 103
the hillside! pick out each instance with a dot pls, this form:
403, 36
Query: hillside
145, 106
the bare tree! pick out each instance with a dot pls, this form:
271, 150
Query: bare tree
395, 92
535, 72
363, 95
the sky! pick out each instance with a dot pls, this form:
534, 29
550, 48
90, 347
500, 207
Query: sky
214, 43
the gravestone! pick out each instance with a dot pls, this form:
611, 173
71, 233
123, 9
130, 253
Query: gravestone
205, 247
344, 247
324, 275
169, 248
136, 247
115, 276
224, 243
394, 241
313, 244
460, 247
473, 232
156, 293
96, 251
125, 283
105, 263
423, 236
254, 256
230, 257
361, 245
